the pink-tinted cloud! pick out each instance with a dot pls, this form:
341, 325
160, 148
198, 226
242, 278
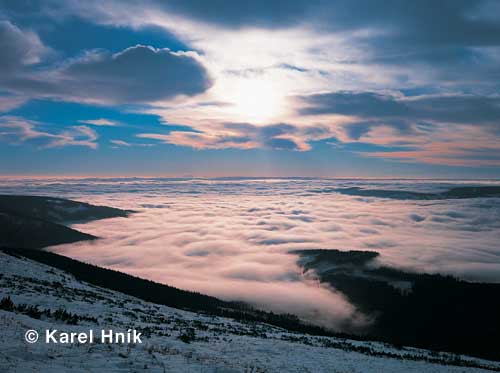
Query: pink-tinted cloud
246, 136
18, 130
205, 237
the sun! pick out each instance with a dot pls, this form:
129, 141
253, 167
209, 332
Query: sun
256, 100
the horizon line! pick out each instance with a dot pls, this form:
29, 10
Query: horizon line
239, 177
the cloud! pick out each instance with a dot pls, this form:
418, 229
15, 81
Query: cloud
9, 102
17, 130
473, 17
460, 130
407, 40
18, 48
279, 136
125, 144
393, 35
201, 140
372, 52
100, 122
120, 142
472, 109
232, 238
281, 144
257, 13
138, 74
336, 42
222, 254
75, 135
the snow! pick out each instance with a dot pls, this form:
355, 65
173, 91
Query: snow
221, 345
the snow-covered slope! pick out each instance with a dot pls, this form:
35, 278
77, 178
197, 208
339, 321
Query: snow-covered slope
215, 344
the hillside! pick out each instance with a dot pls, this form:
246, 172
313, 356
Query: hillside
35, 222
417, 309
37, 296
453, 193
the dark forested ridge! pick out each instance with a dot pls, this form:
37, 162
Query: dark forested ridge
453, 193
422, 310
35, 222
56, 210
29, 233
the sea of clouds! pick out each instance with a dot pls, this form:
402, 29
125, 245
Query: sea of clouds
232, 238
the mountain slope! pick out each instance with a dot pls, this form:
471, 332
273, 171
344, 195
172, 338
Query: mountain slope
29, 233
417, 309
453, 193
174, 340
56, 210
33, 222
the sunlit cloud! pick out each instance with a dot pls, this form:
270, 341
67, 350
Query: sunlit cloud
120, 142
100, 122
279, 136
9, 102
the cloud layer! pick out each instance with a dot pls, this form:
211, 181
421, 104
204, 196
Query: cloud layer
231, 238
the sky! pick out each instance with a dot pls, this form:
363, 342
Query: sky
256, 88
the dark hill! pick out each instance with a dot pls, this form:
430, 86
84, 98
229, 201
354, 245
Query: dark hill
416, 309
29, 233
56, 210
453, 193
32, 222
